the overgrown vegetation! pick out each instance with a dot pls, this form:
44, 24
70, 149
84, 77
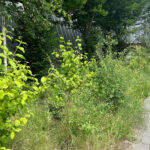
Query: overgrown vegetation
84, 101
94, 18
15, 94
87, 104
31, 21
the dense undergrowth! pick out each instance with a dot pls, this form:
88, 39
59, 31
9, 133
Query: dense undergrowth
15, 94
85, 104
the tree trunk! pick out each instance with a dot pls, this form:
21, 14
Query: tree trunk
4, 33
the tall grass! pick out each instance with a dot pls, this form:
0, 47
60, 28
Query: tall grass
97, 113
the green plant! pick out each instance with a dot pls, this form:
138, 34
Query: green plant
74, 71
111, 80
34, 24
87, 105
15, 93
137, 58
95, 16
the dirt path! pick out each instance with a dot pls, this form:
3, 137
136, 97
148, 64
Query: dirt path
143, 137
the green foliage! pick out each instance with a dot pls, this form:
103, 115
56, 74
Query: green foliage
114, 91
15, 94
74, 4
34, 25
121, 14
87, 104
86, 100
103, 16
87, 15
35, 135
111, 79
74, 71
138, 58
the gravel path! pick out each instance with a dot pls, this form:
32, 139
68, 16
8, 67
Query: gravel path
143, 138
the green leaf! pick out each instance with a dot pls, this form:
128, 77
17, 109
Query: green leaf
18, 83
43, 80
24, 43
62, 38
3, 55
2, 148
69, 43
4, 48
18, 130
2, 94
18, 40
9, 93
21, 49
79, 44
12, 135
17, 123
78, 40
20, 56
24, 120
2, 68
61, 46
57, 55
12, 63
9, 37
23, 101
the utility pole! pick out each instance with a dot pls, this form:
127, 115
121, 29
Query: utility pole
4, 31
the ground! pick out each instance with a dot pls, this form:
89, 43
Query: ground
143, 136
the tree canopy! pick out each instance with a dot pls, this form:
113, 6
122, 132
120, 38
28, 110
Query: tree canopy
93, 18
108, 15
33, 25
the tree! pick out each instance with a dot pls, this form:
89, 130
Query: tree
121, 15
34, 26
106, 16
84, 18
74, 5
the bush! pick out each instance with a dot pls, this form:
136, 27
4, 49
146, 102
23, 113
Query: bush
15, 94
112, 81
74, 71
88, 104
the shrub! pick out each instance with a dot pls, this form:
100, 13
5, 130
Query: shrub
137, 58
15, 94
87, 99
74, 71
88, 105
111, 80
